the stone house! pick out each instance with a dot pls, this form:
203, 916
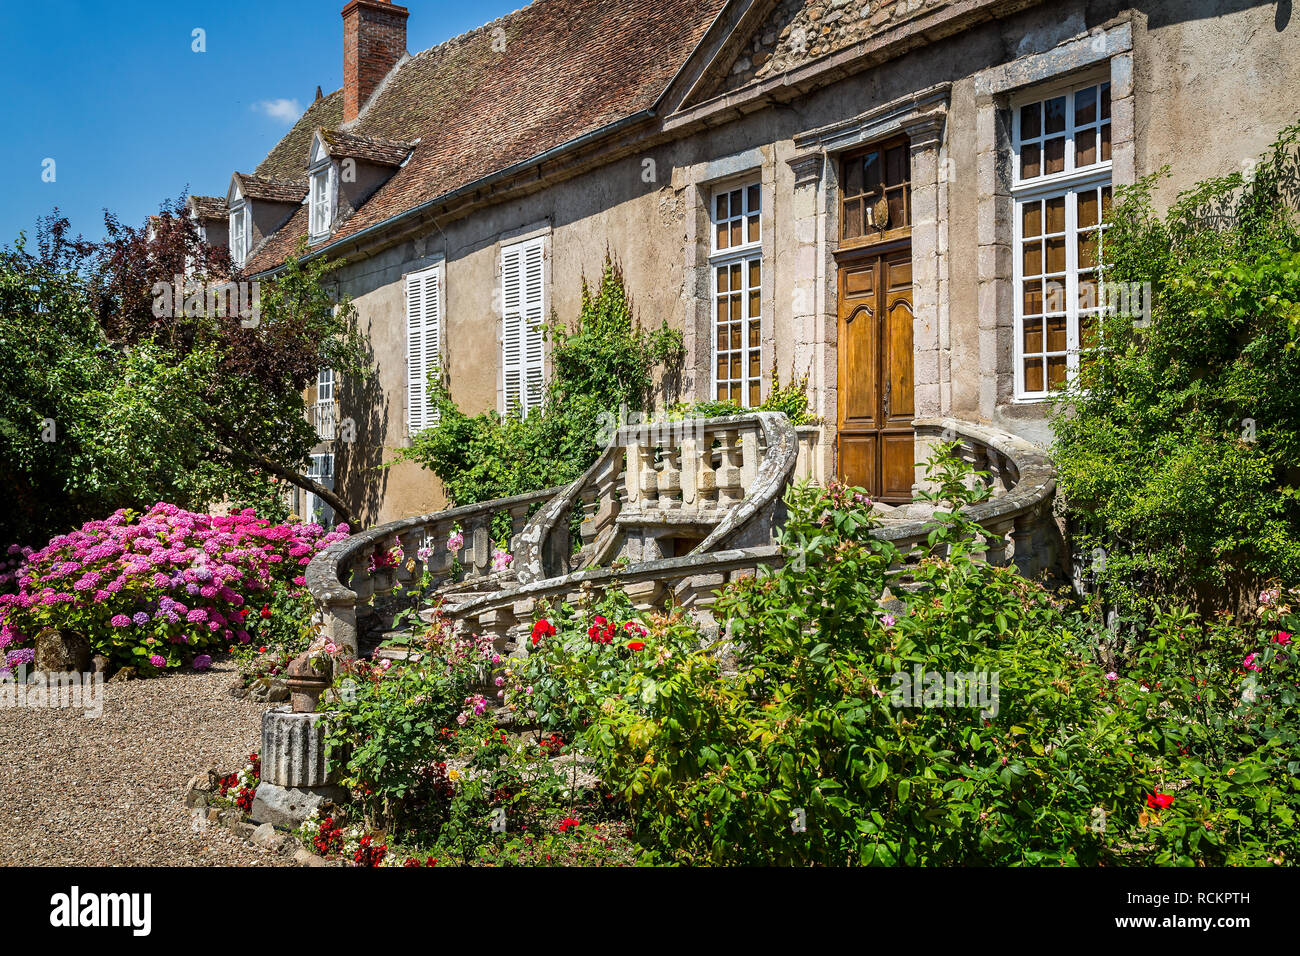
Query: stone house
902, 199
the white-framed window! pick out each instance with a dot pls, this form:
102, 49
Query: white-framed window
736, 264
1062, 192
424, 298
321, 471
523, 314
324, 412
320, 202
239, 234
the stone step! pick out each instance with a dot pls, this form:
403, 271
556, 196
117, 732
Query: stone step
397, 654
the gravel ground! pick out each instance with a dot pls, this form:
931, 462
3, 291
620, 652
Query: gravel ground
110, 791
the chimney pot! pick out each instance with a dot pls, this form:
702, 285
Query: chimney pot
374, 39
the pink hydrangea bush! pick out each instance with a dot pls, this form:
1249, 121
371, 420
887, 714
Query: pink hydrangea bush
156, 589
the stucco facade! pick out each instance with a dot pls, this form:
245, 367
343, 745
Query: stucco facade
1203, 87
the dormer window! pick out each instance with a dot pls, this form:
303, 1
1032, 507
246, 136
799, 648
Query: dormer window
239, 234
321, 202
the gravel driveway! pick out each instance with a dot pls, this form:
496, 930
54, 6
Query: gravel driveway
110, 790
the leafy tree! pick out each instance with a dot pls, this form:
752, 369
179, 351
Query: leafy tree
1178, 450
110, 396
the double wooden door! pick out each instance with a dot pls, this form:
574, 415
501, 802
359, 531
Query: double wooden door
876, 405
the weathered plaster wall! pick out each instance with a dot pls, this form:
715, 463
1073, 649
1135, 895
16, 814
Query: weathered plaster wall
1210, 91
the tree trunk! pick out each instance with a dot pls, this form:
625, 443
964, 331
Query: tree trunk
302, 481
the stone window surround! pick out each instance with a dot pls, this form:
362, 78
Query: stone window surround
701, 181
510, 238
1110, 48
921, 116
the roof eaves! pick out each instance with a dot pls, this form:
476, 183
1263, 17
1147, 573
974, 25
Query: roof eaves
470, 187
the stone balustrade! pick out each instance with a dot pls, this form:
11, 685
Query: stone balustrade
683, 507
345, 577
664, 489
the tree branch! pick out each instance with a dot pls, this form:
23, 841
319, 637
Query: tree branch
302, 481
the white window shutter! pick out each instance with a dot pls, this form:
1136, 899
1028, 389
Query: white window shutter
432, 341
423, 345
415, 353
512, 332
535, 359
523, 322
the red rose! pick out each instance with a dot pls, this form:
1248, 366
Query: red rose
1282, 637
1159, 801
541, 629
266, 610
636, 645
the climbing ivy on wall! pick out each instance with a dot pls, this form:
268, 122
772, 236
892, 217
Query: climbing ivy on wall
603, 366
1179, 449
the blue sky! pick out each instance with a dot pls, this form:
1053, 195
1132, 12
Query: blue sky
131, 115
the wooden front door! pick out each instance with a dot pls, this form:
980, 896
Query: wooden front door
876, 405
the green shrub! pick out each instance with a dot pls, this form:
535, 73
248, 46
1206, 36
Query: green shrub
804, 754
1178, 450
792, 399
603, 367
1215, 710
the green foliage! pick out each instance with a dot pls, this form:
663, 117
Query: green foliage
200, 411
1214, 706
603, 367
845, 713
791, 398
813, 751
1178, 450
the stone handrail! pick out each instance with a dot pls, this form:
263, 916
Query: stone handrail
658, 480
348, 573
1016, 519
679, 482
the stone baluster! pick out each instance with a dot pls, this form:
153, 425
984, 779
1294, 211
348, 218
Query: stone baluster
440, 558
670, 477
478, 545
589, 499
362, 583
996, 538
518, 520
408, 545
750, 457
706, 477
690, 464
632, 473
649, 478
730, 488
1026, 537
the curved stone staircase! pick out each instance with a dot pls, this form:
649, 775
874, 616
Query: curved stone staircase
670, 512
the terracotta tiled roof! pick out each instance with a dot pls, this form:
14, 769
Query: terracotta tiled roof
385, 152
288, 160
209, 207
569, 67
272, 190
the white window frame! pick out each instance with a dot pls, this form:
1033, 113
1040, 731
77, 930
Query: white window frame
320, 198
1070, 182
425, 314
523, 325
744, 252
321, 471
239, 234
325, 404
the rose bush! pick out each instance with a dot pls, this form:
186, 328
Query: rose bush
154, 590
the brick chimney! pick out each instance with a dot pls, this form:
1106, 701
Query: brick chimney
374, 39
